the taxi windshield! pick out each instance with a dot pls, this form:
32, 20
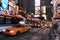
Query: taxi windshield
20, 19
18, 25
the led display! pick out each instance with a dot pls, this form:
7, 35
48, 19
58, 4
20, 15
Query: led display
37, 7
3, 5
37, 2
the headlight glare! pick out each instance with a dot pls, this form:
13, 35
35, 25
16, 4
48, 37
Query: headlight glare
11, 31
4, 30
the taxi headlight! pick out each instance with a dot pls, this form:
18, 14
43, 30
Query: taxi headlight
4, 30
11, 31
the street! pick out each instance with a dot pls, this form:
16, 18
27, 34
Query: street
33, 34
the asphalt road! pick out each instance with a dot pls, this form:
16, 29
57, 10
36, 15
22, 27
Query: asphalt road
34, 34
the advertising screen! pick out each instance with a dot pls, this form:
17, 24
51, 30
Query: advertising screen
3, 5
37, 7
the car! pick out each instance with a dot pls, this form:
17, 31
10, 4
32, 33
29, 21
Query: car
16, 29
5, 26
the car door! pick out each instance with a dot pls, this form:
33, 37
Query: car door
25, 28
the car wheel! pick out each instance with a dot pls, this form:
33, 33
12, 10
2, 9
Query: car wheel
29, 30
18, 33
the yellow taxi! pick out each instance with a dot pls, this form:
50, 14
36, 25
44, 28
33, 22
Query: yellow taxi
16, 29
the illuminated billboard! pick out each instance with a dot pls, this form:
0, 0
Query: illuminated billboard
37, 2
37, 7
3, 5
